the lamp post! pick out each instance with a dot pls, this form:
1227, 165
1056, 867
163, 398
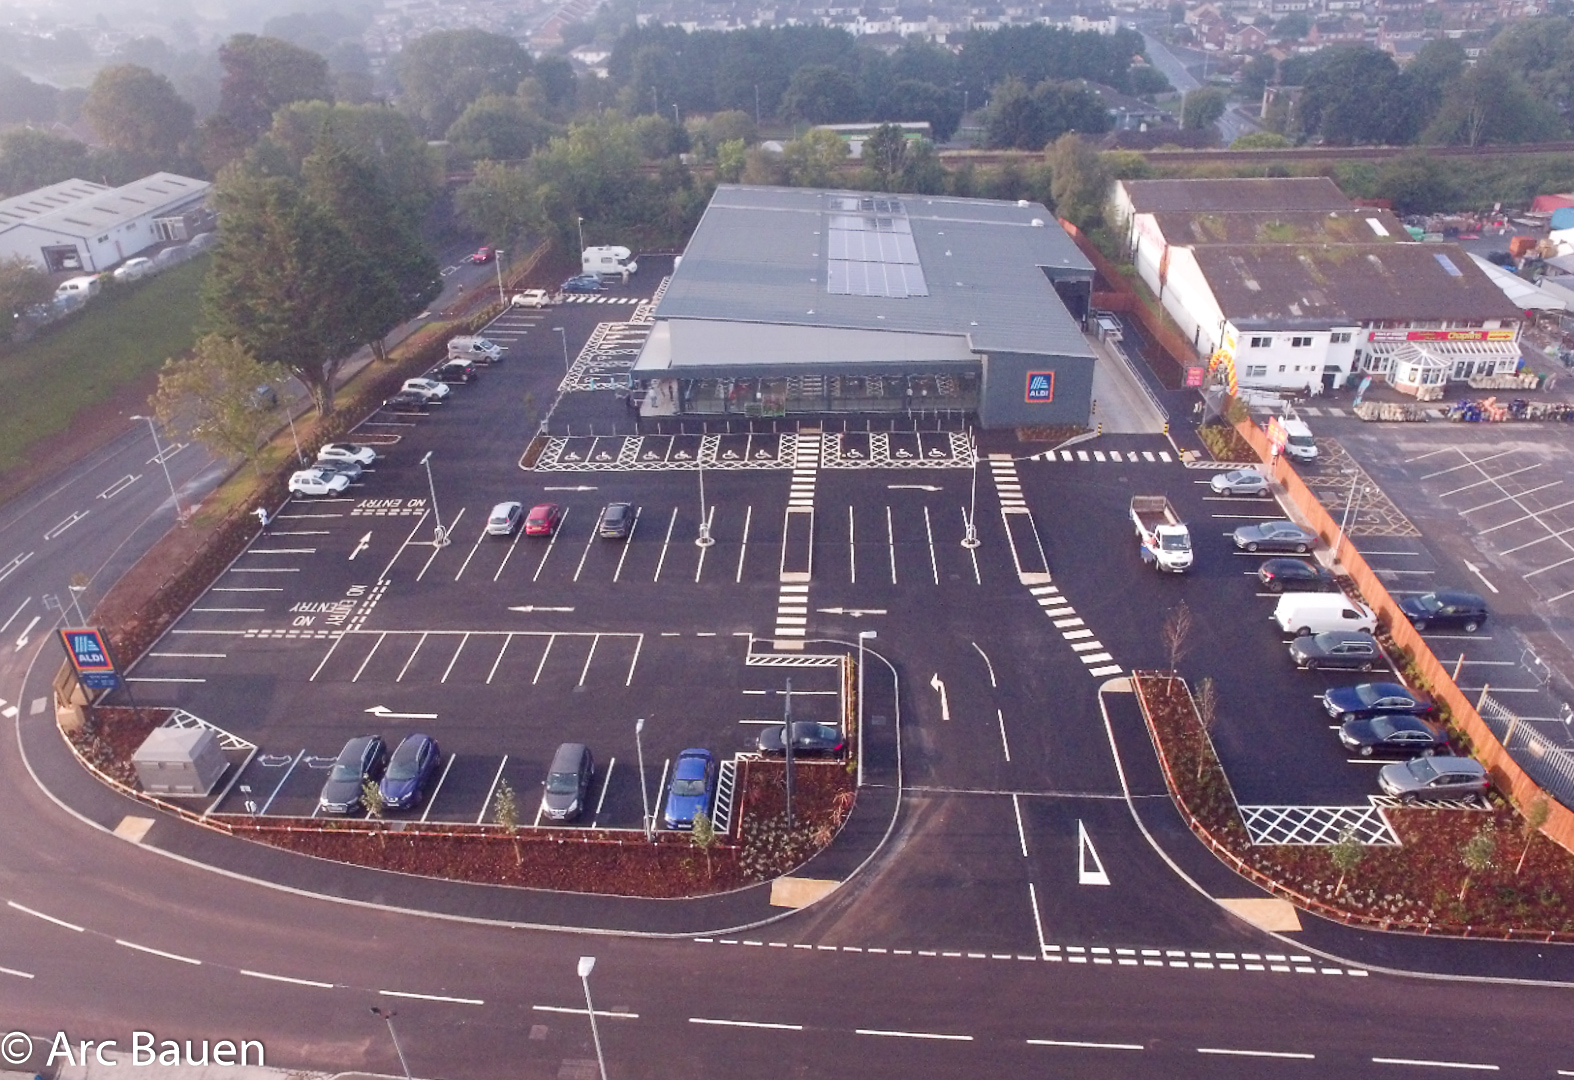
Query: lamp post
644, 794
440, 538
587, 964
497, 258
76, 602
564, 334
581, 241
159, 450
756, 105
704, 539
289, 414
863, 636
971, 541
1349, 507
787, 749
388, 1016
675, 121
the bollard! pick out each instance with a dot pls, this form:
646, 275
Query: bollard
1101, 427
1166, 427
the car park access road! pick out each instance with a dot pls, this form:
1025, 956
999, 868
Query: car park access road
1028, 920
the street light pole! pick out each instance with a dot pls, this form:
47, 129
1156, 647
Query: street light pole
675, 121
644, 794
970, 541
76, 602
704, 539
863, 636
497, 258
388, 1016
564, 334
587, 964
582, 242
159, 450
440, 539
1349, 506
289, 414
787, 748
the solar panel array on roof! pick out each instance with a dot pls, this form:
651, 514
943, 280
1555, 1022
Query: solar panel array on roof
870, 250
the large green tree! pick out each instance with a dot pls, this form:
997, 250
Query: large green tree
138, 111
263, 74
1490, 103
1356, 94
21, 284
287, 282
1079, 183
497, 127
30, 158
211, 394
822, 94
407, 169
1201, 107
442, 72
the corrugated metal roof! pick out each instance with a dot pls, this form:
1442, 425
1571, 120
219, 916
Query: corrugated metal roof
679, 345
1358, 226
88, 212
32, 205
1250, 193
760, 255
1322, 286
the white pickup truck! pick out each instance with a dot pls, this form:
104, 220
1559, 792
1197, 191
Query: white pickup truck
1166, 543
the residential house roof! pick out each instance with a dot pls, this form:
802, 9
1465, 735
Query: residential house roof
1253, 193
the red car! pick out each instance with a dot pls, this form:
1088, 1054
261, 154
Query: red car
482, 255
543, 519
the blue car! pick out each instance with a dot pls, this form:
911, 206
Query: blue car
410, 772
583, 283
689, 793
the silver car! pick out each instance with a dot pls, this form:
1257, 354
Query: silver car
1437, 776
1275, 536
1241, 482
504, 519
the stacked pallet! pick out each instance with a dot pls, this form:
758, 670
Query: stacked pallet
1390, 410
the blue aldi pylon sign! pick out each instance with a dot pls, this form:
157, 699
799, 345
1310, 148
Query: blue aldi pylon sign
1040, 386
89, 655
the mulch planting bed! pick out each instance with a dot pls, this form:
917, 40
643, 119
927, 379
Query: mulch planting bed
1422, 885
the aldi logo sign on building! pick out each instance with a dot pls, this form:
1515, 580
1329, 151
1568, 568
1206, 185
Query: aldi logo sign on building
1040, 386
89, 654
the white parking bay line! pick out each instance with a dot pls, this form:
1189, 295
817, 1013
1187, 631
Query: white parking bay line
432, 798
231, 610
491, 791
473, 548
627, 543
411, 660
588, 657
551, 543
745, 1024
499, 659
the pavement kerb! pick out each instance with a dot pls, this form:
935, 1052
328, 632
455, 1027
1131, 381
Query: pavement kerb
477, 920
1123, 685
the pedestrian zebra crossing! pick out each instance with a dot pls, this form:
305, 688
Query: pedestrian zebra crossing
581, 298
792, 603
1123, 456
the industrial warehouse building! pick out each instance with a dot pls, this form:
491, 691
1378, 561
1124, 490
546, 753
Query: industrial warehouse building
78, 226
790, 301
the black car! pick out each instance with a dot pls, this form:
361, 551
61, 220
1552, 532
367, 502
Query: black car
410, 772
362, 759
808, 738
1405, 736
455, 371
1296, 575
1375, 699
568, 782
406, 402
1337, 649
1446, 607
616, 521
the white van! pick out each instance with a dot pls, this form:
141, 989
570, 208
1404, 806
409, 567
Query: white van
1317, 613
84, 286
1298, 442
474, 348
608, 261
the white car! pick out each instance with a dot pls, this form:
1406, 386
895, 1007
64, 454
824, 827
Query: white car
504, 519
318, 482
537, 298
132, 269
344, 451
430, 389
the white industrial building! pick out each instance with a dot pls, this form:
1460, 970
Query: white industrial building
1299, 289
78, 226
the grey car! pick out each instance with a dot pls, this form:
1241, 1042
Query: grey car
1337, 649
1436, 776
568, 782
1275, 536
1241, 482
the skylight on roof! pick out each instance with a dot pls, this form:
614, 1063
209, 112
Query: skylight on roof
870, 249
1376, 226
1447, 264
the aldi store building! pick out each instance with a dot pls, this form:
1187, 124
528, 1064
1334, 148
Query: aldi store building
802, 302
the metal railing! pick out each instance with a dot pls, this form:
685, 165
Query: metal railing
1551, 766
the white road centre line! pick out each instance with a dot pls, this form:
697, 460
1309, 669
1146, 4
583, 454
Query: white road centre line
852, 549
287, 979
118, 486
890, 540
972, 552
217, 655
231, 610
542, 663
1255, 1053
1080, 1044
929, 532
413, 652
934, 1035
13, 971
158, 952
628, 542
235, 588
499, 659
431, 997
743, 549
570, 1011
1016, 808
661, 561
454, 659
987, 663
745, 1024
66, 524
589, 656
14, 614
1425, 1064
13, 905
491, 791
1004, 744
432, 798
473, 549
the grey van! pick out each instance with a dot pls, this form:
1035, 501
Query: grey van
568, 782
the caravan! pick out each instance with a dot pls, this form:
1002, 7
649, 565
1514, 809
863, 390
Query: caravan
608, 262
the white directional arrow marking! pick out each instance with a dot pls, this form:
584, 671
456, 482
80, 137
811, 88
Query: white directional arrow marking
856, 613
21, 642
364, 543
1476, 570
383, 712
536, 607
1090, 871
945, 702
913, 487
